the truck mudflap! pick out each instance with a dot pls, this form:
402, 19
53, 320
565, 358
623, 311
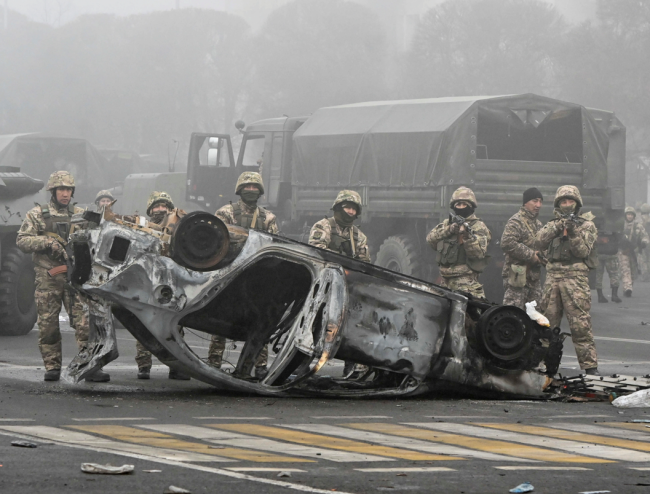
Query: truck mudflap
307, 305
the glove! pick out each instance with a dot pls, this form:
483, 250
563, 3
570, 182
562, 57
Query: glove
56, 248
454, 228
570, 227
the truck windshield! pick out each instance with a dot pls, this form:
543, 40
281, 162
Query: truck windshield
253, 149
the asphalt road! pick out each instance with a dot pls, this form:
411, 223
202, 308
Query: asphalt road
190, 435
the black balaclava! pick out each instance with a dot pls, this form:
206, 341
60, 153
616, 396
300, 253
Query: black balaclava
464, 212
343, 218
250, 197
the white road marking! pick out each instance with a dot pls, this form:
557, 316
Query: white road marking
621, 340
402, 442
586, 449
16, 420
237, 440
602, 431
574, 417
201, 468
248, 469
345, 417
545, 468
643, 469
233, 418
74, 438
113, 418
407, 469
461, 417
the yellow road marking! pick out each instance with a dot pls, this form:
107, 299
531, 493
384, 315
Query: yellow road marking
488, 445
329, 442
156, 439
625, 425
571, 435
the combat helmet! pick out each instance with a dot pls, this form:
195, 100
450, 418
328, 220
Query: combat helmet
61, 178
157, 198
248, 178
567, 192
463, 194
645, 208
103, 193
630, 209
348, 196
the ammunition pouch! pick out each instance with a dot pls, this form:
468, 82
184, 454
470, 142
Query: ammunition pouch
246, 220
517, 276
452, 253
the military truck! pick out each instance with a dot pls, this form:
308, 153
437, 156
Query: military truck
18, 192
407, 157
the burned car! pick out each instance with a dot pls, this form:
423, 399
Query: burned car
309, 305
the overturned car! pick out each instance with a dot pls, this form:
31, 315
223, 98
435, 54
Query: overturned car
309, 305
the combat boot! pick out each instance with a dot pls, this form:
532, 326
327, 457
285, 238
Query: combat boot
615, 297
601, 298
99, 376
52, 375
179, 376
144, 373
592, 372
628, 293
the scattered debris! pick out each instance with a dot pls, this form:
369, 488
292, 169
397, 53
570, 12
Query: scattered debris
639, 399
643, 323
152, 471
525, 487
641, 421
106, 469
172, 489
284, 474
536, 316
216, 447
599, 388
24, 444
401, 475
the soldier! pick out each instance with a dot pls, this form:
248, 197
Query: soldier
607, 244
462, 251
635, 237
245, 213
644, 255
158, 205
521, 270
334, 233
104, 198
44, 233
570, 240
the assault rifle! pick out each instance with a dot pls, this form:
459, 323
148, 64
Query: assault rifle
570, 217
459, 220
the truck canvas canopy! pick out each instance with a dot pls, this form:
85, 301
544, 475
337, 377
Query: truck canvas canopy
435, 142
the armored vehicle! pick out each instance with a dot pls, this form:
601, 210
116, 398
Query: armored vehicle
406, 158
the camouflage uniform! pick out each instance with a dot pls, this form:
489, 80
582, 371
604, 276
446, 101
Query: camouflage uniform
570, 255
242, 214
609, 262
330, 235
461, 257
52, 291
518, 244
101, 195
644, 255
142, 355
635, 238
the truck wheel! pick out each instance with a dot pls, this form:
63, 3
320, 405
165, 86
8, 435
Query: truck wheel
399, 254
17, 305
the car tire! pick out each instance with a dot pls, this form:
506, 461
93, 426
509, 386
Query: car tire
398, 253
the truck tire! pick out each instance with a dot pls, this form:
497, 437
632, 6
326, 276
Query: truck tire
398, 253
17, 305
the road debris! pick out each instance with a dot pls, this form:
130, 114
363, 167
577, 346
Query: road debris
599, 388
152, 471
284, 474
106, 469
24, 444
525, 487
639, 399
641, 421
172, 489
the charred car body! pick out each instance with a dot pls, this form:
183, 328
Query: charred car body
309, 304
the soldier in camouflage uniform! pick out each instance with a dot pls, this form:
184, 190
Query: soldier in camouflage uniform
569, 242
103, 198
607, 244
462, 255
635, 238
159, 205
644, 254
245, 213
44, 234
334, 234
522, 267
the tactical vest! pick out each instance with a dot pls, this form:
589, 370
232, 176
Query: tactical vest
560, 251
452, 253
245, 220
607, 243
341, 244
57, 227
